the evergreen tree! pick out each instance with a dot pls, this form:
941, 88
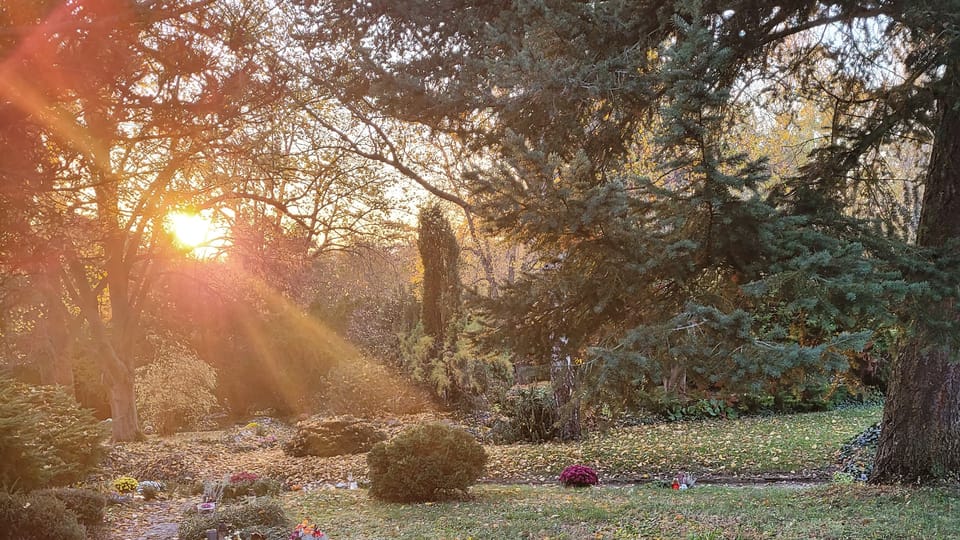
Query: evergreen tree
703, 264
440, 255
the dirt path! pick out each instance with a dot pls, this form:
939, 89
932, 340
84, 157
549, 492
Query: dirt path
141, 520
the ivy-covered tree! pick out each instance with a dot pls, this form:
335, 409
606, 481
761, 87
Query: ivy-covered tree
703, 259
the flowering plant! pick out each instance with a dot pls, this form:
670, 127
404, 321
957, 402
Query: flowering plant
125, 484
578, 476
243, 476
149, 489
307, 531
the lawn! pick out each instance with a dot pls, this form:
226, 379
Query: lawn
755, 447
518, 497
789, 446
643, 511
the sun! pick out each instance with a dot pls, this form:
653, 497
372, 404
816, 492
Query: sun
189, 230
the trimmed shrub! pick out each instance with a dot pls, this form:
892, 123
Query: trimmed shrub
578, 476
86, 504
425, 462
37, 517
46, 439
254, 515
328, 437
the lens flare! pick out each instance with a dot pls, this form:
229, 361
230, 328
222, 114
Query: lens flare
189, 230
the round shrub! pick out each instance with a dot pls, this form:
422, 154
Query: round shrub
46, 439
256, 514
424, 462
86, 504
578, 476
37, 517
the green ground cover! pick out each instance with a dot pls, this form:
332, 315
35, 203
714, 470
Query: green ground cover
748, 448
644, 511
791, 445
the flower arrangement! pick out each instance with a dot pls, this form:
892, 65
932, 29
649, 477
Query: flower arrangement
683, 481
578, 476
125, 484
149, 489
243, 476
305, 531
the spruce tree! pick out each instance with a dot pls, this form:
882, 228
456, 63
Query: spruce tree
702, 264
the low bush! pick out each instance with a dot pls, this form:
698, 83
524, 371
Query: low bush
175, 391
530, 415
37, 517
327, 437
86, 504
425, 462
258, 487
255, 515
46, 439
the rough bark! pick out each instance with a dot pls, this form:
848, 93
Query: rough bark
563, 381
920, 440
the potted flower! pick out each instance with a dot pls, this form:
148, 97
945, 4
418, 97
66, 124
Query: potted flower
306, 531
578, 476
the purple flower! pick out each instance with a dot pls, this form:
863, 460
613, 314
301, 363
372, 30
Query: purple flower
578, 476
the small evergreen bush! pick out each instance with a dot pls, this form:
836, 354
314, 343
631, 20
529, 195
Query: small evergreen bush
88, 505
46, 439
259, 514
424, 462
578, 476
37, 517
531, 415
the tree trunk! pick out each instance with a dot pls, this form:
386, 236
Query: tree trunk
562, 379
123, 409
920, 439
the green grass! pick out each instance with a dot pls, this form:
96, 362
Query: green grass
621, 512
803, 444
798, 444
